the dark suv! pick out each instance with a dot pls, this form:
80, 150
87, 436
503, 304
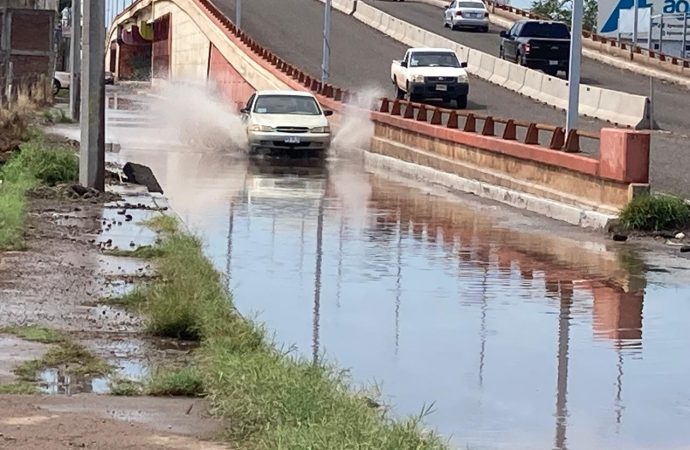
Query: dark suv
538, 44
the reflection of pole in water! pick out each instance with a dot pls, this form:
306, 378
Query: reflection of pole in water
230, 227
301, 251
317, 282
619, 391
340, 260
562, 377
482, 332
398, 286
273, 235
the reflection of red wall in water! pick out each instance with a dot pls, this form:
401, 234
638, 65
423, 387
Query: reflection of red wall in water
617, 315
227, 79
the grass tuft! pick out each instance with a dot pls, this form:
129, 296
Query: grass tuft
73, 356
163, 224
655, 213
20, 388
143, 252
34, 333
126, 388
56, 115
37, 162
185, 382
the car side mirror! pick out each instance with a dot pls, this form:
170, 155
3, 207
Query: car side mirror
504, 34
327, 112
463, 65
244, 111
403, 63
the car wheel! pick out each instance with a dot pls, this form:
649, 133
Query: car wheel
501, 55
400, 94
462, 102
551, 72
56, 87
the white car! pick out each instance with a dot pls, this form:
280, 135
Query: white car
431, 73
286, 120
466, 14
61, 81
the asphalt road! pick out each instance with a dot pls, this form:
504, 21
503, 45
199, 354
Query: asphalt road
361, 58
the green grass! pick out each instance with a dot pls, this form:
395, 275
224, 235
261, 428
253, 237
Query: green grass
163, 224
34, 333
38, 162
143, 252
56, 115
20, 388
273, 401
127, 388
185, 382
77, 360
656, 213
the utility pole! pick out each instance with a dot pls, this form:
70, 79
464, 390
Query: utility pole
636, 8
575, 62
238, 13
75, 61
325, 64
92, 148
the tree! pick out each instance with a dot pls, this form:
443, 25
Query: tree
561, 10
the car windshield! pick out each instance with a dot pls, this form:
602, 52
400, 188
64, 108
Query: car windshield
286, 104
474, 5
545, 30
433, 59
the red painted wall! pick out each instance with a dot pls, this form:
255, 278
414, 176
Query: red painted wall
227, 79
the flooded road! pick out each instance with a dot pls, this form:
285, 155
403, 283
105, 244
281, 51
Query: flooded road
520, 332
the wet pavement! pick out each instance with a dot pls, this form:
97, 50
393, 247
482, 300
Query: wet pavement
523, 333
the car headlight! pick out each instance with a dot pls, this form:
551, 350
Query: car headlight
418, 78
261, 128
321, 130
462, 79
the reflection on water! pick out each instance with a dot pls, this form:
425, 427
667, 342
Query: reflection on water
524, 339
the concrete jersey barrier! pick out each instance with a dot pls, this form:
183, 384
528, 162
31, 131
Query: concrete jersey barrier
616, 107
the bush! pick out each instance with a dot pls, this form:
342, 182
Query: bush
655, 213
46, 163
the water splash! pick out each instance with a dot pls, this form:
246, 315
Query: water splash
196, 115
356, 128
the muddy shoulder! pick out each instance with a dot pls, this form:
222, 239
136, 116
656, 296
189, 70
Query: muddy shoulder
62, 282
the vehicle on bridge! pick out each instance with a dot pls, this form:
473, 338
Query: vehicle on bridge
431, 73
466, 14
291, 121
537, 44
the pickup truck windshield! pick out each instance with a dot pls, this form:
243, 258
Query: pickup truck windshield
545, 30
433, 59
286, 104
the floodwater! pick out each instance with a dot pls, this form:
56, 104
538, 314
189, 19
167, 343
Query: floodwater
520, 332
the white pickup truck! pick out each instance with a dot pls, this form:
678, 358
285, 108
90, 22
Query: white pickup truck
431, 73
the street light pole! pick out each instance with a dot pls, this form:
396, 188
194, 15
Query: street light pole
635, 15
92, 146
75, 61
238, 13
575, 62
325, 64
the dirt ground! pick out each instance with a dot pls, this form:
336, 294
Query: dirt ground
60, 282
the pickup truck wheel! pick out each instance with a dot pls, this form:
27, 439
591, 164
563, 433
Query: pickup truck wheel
462, 102
400, 94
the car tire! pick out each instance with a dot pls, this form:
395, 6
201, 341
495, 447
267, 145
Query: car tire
551, 72
501, 54
400, 94
461, 101
56, 87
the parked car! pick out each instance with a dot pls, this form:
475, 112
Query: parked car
466, 14
431, 73
286, 120
538, 44
61, 80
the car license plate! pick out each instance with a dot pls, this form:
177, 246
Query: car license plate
292, 140
441, 87
553, 63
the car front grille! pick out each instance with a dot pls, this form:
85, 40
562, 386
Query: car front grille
440, 79
292, 129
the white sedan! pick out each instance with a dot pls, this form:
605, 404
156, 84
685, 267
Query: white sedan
466, 14
286, 120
